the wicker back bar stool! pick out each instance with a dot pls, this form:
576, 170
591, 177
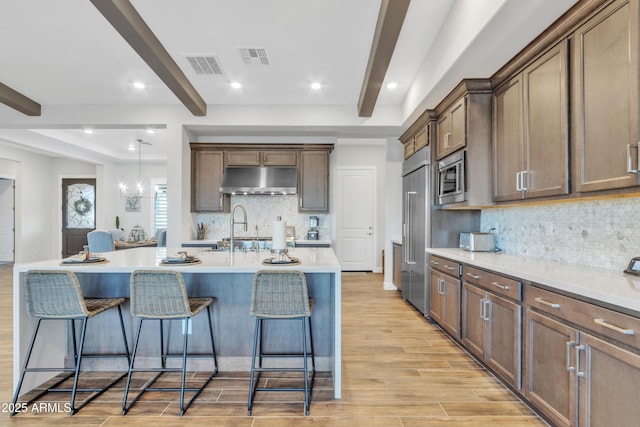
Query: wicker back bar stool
162, 295
281, 294
56, 295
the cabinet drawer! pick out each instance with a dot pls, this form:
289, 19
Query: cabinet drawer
279, 158
446, 266
609, 323
242, 158
493, 282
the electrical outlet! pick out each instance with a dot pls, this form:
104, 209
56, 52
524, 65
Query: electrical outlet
186, 326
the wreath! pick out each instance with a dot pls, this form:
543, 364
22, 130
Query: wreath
82, 206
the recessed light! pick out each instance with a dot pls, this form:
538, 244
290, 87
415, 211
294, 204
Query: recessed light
151, 131
139, 85
236, 85
392, 85
316, 86
88, 131
131, 147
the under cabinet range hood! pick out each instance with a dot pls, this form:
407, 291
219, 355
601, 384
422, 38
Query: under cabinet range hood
260, 180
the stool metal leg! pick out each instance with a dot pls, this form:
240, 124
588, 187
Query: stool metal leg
253, 382
131, 362
26, 363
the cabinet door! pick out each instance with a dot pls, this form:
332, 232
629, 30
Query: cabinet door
458, 138
549, 365
473, 323
313, 189
507, 141
451, 129
608, 376
451, 316
279, 158
436, 303
421, 139
605, 98
546, 125
503, 339
242, 158
409, 148
207, 168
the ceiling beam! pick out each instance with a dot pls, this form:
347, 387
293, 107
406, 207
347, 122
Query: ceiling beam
390, 19
18, 101
125, 19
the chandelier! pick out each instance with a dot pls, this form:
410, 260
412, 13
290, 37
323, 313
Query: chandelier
139, 190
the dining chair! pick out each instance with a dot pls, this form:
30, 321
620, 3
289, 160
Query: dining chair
100, 241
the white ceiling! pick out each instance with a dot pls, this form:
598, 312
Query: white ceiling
64, 55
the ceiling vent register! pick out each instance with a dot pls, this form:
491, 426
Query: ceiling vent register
205, 64
255, 57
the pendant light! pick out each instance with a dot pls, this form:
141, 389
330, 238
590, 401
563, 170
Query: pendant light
139, 186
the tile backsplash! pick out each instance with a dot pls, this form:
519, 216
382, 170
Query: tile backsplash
602, 233
263, 211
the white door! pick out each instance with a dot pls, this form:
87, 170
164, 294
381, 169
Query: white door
6, 220
355, 218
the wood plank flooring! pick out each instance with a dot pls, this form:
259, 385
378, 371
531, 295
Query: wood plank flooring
398, 370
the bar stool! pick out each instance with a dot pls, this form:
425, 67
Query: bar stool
162, 295
281, 294
56, 295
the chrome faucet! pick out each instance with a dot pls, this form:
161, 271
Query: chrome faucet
233, 223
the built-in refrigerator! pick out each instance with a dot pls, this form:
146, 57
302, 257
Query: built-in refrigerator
415, 228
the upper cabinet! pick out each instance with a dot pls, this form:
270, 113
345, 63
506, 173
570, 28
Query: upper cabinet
206, 176
605, 99
451, 129
531, 130
260, 158
419, 134
209, 160
313, 185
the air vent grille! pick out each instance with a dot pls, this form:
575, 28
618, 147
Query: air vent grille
205, 64
254, 56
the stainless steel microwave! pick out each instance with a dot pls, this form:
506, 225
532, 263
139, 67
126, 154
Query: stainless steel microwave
451, 181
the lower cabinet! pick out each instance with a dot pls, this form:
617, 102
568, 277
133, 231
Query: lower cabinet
582, 375
444, 306
445, 302
491, 323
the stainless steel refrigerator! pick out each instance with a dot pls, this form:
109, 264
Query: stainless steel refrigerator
415, 228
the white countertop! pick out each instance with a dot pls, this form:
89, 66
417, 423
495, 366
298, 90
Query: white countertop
312, 260
607, 286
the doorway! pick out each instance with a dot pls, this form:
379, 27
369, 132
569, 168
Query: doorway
355, 218
78, 213
7, 220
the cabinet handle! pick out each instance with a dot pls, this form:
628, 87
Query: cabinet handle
448, 267
547, 303
524, 180
518, 185
434, 262
441, 286
482, 306
569, 345
603, 322
487, 310
473, 276
446, 139
498, 285
630, 168
578, 372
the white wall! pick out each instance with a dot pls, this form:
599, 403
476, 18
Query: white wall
393, 206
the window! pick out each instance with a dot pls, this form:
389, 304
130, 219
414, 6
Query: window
160, 208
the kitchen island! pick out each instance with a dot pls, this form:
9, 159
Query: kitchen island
223, 275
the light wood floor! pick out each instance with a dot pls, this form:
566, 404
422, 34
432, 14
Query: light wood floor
398, 370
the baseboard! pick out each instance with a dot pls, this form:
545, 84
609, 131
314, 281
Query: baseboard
388, 286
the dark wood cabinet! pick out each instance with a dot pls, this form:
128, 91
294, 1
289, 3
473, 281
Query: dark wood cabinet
208, 161
491, 322
313, 187
419, 134
444, 301
451, 129
605, 98
582, 364
260, 158
531, 130
207, 168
